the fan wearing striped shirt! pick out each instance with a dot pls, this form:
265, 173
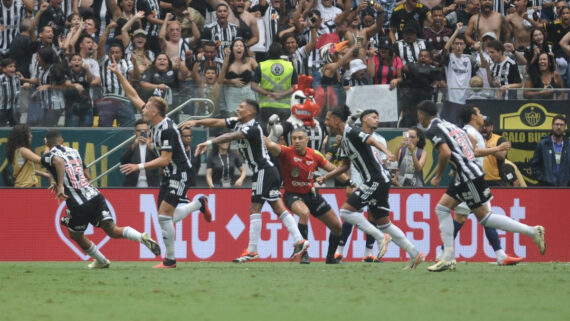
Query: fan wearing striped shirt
9, 92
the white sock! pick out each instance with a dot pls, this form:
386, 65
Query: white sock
506, 223
181, 212
501, 255
167, 227
291, 226
400, 239
362, 223
340, 250
254, 232
131, 234
93, 252
367, 252
446, 230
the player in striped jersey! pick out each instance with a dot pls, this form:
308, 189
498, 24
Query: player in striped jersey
266, 182
10, 18
174, 162
356, 148
455, 148
9, 92
85, 204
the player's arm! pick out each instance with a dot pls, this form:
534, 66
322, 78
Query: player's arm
444, 157
499, 151
373, 142
129, 90
59, 165
343, 178
201, 148
273, 148
344, 166
206, 122
161, 161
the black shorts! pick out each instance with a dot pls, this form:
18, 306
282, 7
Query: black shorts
173, 189
373, 193
475, 193
314, 201
265, 185
94, 211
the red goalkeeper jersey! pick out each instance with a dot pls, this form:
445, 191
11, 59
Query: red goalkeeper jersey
298, 171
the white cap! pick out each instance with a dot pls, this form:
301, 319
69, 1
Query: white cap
489, 34
356, 65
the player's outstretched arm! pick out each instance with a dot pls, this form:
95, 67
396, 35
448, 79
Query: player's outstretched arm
201, 148
273, 148
343, 178
373, 142
344, 166
129, 90
59, 164
206, 122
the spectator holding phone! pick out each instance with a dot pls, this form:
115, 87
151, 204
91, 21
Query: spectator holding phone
411, 158
141, 151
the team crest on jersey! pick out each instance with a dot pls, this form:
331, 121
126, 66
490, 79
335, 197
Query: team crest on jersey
309, 163
297, 159
277, 69
295, 172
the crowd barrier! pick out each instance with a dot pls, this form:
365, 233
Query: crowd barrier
31, 230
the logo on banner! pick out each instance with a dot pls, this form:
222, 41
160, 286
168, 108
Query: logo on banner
531, 116
99, 238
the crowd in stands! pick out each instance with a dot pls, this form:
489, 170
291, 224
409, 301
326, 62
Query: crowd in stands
55, 54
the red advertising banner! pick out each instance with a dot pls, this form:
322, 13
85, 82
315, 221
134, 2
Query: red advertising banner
31, 231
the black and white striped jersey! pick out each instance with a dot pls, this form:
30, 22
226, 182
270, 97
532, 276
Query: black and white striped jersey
75, 184
355, 148
252, 148
50, 99
166, 137
409, 52
223, 37
150, 8
9, 92
10, 19
270, 18
109, 80
462, 154
315, 62
316, 134
299, 60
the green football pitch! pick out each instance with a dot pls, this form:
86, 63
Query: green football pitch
133, 291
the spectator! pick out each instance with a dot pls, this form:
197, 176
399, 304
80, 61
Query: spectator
20, 155
328, 11
273, 80
409, 13
512, 176
221, 165
538, 44
483, 22
136, 49
358, 76
207, 58
171, 42
186, 134
9, 93
121, 12
411, 158
54, 17
141, 151
385, 67
246, 22
543, 75
78, 103
504, 71
455, 13
237, 74
298, 55
557, 29
209, 88
222, 32
410, 46
493, 163
438, 34
11, 19
23, 47
550, 163
160, 79
151, 22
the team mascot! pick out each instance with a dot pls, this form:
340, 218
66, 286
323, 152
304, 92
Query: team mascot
304, 109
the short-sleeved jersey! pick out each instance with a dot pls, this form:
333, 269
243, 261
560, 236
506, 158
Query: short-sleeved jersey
316, 134
400, 18
75, 183
166, 137
471, 131
354, 147
298, 171
462, 154
252, 148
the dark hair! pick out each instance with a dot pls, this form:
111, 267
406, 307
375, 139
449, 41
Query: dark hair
25, 26
245, 54
287, 36
341, 112
216, 147
178, 4
274, 51
140, 122
80, 40
466, 113
496, 44
461, 37
299, 129
168, 58
117, 44
559, 116
314, 12
19, 137
43, 28
48, 55
428, 107
6, 62
253, 104
211, 68
421, 136
436, 8
534, 71
209, 43
533, 44
222, 5
367, 112
52, 135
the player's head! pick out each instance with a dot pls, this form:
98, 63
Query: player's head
154, 110
247, 110
53, 138
299, 139
427, 110
336, 119
472, 115
369, 119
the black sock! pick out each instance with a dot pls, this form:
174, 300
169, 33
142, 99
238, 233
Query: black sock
333, 244
346, 230
304, 229
456, 227
370, 241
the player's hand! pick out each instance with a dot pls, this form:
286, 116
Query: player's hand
188, 123
435, 181
201, 148
128, 168
52, 189
60, 194
391, 157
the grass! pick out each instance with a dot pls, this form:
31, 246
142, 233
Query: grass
133, 291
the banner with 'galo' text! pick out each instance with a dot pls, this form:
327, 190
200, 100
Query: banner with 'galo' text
31, 230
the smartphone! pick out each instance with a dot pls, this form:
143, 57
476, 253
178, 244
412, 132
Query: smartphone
406, 135
313, 19
143, 134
